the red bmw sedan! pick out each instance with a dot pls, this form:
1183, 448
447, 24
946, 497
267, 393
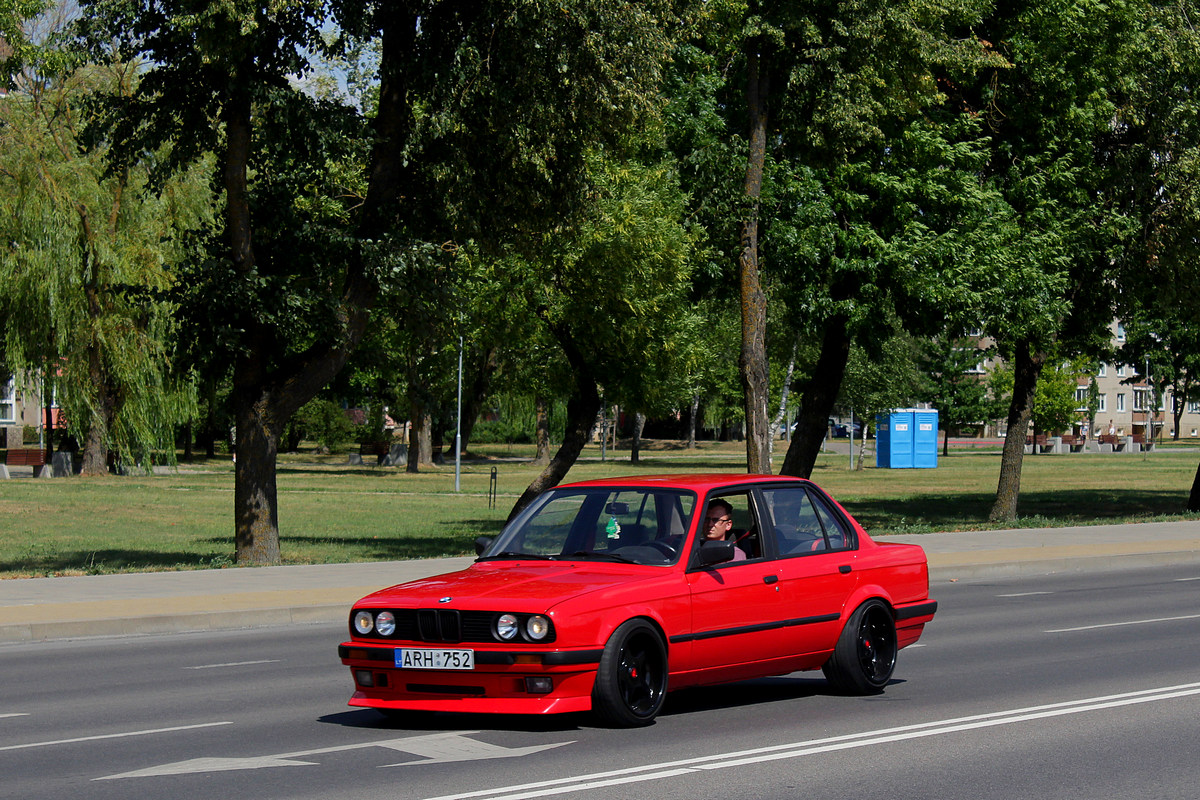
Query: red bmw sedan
604, 595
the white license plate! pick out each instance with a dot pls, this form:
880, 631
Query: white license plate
429, 658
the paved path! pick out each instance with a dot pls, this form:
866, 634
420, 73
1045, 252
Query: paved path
41, 609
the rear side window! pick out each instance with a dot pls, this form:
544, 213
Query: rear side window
836, 534
803, 522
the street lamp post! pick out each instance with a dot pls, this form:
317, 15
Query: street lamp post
458, 424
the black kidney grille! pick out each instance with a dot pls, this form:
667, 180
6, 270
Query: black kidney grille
439, 625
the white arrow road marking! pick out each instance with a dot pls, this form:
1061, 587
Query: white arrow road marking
436, 748
650, 772
457, 748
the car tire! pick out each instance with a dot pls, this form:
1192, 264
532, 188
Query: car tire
865, 654
631, 681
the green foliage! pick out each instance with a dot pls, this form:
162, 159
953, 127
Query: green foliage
324, 422
1054, 404
501, 432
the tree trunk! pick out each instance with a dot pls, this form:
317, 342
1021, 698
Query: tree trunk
414, 439
477, 393
780, 420
752, 360
820, 394
1194, 497
639, 422
1027, 367
945, 442
542, 434
693, 413
255, 501
582, 408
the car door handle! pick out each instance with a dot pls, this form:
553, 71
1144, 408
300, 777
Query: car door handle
769, 579
844, 569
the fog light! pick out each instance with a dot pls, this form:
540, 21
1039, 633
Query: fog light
363, 677
539, 685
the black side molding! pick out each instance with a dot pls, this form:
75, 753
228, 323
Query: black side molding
918, 610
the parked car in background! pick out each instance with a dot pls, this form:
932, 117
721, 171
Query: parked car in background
604, 595
842, 430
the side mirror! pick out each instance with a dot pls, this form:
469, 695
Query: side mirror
716, 552
482, 543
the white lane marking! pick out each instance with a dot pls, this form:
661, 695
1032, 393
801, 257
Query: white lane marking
1181, 580
113, 736
1023, 594
14, 714
1120, 624
797, 749
236, 664
435, 748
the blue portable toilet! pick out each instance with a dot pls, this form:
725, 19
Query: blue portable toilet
894, 440
925, 438
906, 438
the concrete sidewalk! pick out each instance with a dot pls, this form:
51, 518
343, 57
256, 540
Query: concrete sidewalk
41, 609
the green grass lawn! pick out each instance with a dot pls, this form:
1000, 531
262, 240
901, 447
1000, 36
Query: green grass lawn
331, 512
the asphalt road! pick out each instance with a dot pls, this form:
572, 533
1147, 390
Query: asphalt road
1068, 686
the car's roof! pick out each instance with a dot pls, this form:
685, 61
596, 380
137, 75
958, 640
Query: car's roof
698, 482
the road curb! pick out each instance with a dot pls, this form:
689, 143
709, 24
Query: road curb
943, 569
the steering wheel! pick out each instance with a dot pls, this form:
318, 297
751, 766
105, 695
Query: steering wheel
662, 547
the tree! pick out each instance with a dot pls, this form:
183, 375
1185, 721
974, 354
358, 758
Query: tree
89, 261
1054, 404
485, 111
609, 294
952, 385
1056, 119
819, 83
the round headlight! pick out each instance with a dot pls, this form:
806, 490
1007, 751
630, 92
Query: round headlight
385, 623
364, 622
536, 627
506, 627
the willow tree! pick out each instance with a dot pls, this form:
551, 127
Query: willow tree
90, 254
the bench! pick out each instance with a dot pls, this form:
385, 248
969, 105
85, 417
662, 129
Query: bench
378, 449
1076, 443
25, 457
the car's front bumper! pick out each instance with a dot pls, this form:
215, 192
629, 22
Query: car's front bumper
503, 681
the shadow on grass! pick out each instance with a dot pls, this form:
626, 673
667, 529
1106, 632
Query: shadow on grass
100, 562
943, 512
383, 549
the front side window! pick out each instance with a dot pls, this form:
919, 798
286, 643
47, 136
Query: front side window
636, 525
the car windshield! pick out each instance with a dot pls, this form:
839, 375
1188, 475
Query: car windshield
632, 525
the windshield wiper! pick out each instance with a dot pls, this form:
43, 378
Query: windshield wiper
511, 554
602, 556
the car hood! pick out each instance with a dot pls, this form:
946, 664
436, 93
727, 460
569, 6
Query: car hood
515, 586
